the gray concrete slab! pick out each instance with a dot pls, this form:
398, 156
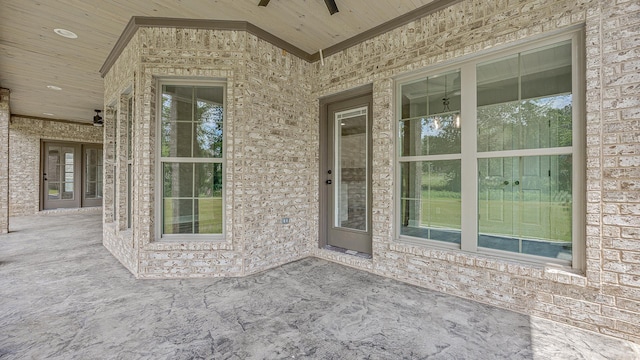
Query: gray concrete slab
63, 296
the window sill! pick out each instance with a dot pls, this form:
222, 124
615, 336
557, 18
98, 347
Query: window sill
193, 244
126, 233
558, 273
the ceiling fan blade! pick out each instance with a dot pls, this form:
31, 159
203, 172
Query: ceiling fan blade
331, 5
263, 3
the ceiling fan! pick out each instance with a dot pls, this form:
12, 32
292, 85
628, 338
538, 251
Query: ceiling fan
331, 5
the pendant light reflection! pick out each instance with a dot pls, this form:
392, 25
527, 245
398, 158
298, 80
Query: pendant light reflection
446, 102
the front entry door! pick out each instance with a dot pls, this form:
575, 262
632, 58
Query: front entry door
61, 183
346, 174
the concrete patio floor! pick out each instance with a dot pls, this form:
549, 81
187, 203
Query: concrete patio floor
63, 296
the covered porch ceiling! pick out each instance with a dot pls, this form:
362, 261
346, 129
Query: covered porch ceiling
54, 77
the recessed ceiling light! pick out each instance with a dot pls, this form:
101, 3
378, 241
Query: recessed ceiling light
48, 114
66, 33
53, 87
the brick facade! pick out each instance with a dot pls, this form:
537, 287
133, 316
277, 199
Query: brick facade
272, 156
270, 149
5, 115
605, 297
25, 136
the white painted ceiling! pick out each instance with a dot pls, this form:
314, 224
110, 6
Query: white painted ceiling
32, 56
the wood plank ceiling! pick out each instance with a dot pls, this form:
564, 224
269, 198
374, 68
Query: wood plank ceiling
32, 56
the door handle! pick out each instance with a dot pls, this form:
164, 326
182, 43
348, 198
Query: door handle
506, 182
516, 182
329, 182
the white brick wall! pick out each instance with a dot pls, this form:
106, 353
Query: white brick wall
272, 156
5, 115
271, 144
612, 277
25, 135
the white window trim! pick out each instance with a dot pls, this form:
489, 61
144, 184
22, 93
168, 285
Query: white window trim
469, 154
158, 217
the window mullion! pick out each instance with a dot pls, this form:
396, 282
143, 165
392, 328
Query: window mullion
193, 198
194, 107
429, 157
567, 150
194, 160
469, 163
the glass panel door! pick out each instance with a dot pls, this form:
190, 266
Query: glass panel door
347, 186
525, 205
496, 197
52, 174
93, 167
60, 180
67, 170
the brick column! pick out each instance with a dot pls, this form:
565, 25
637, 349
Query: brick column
5, 115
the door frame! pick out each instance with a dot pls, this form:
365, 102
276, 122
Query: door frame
324, 162
77, 165
80, 147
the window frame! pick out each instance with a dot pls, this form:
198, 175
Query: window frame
129, 152
116, 198
159, 161
470, 155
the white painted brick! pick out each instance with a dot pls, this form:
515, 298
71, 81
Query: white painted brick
630, 280
24, 154
279, 94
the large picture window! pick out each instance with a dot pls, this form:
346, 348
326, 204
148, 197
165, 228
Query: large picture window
491, 154
191, 159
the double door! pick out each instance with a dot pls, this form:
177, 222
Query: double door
524, 200
71, 175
